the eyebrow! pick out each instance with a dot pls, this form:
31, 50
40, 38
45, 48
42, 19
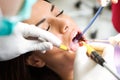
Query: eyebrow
47, 1
52, 8
41, 21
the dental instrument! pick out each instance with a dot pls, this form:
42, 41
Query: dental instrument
63, 47
56, 42
97, 40
103, 4
94, 55
114, 40
60, 45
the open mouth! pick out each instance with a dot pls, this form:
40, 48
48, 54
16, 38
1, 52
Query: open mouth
74, 45
78, 37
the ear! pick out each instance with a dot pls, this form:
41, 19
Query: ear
35, 61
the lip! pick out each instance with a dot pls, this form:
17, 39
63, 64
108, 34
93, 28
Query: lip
73, 46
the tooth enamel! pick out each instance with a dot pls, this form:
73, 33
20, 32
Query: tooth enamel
75, 34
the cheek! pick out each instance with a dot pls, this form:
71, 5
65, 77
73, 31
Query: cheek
54, 51
71, 56
56, 33
56, 54
59, 52
43, 26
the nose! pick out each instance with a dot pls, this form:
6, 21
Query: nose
59, 23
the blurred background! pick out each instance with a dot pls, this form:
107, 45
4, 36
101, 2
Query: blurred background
82, 11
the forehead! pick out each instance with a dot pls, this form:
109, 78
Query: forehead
40, 10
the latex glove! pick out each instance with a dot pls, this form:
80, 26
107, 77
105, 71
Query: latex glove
115, 40
82, 64
114, 1
87, 69
106, 2
16, 44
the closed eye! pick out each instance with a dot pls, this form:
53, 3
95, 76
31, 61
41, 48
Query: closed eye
60, 13
48, 28
41, 21
56, 16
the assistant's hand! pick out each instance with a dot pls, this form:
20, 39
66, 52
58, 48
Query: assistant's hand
114, 1
106, 2
115, 40
16, 44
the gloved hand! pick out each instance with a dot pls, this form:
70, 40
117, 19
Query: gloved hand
86, 69
82, 64
13, 45
106, 2
114, 1
115, 40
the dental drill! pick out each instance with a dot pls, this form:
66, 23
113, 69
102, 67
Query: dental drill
58, 43
94, 55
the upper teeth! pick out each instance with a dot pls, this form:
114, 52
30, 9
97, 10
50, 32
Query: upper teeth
75, 34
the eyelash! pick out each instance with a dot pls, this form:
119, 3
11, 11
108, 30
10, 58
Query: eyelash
60, 13
48, 28
56, 16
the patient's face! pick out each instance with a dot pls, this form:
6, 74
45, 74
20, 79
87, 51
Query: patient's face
50, 18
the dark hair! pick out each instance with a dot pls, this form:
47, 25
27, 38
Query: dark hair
14, 69
17, 69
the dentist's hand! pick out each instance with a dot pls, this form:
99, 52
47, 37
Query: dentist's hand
86, 69
115, 40
14, 45
82, 64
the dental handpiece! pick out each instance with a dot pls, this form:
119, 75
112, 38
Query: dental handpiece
63, 47
59, 45
94, 55
57, 42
